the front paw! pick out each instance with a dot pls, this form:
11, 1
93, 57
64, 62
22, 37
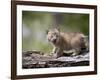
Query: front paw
54, 55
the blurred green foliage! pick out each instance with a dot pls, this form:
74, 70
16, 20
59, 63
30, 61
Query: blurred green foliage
35, 25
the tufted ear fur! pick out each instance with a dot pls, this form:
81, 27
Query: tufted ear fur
53, 26
57, 30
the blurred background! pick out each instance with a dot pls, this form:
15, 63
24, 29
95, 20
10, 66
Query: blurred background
35, 24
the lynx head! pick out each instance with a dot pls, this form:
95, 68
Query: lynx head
53, 35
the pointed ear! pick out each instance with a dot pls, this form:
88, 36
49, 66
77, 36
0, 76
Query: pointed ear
58, 29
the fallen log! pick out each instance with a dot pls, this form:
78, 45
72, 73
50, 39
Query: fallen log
37, 59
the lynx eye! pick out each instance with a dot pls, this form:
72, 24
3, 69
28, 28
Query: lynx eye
55, 33
57, 36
